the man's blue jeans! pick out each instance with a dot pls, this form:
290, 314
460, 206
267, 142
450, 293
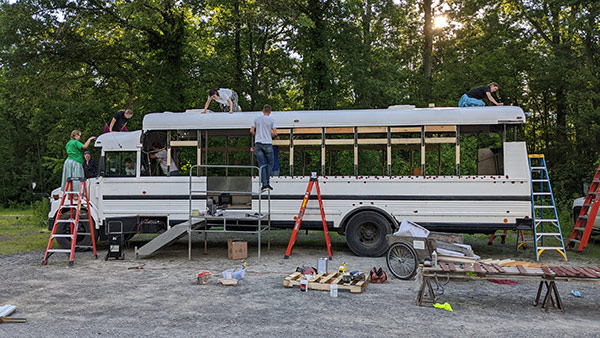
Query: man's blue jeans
264, 155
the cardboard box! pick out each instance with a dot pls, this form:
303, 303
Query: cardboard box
237, 250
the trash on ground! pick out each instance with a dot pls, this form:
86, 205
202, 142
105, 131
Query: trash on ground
378, 276
576, 293
7, 310
237, 273
203, 277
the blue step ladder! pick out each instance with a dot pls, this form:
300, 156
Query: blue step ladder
547, 234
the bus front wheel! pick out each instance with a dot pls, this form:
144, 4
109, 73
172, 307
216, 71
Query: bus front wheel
366, 234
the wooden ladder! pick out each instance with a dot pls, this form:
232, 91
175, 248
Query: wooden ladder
587, 216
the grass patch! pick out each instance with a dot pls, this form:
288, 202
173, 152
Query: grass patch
20, 231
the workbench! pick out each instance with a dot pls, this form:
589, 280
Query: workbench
547, 276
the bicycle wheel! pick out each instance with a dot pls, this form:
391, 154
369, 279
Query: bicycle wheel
402, 260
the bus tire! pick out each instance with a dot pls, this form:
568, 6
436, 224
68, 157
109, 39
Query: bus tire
366, 234
65, 228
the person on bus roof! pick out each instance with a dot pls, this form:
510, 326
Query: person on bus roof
119, 121
264, 129
475, 96
227, 98
73, 166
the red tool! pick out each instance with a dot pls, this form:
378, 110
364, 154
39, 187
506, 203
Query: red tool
314, 180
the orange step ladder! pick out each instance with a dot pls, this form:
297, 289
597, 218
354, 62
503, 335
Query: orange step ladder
74, 211
314, 180
587, 216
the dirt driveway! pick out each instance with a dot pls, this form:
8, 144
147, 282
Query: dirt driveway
96, 298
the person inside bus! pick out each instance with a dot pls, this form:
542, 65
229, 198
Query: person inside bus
73, 166
119, 121
475, 96
90, 167
264, 129
160, 154
227, 98
129, 167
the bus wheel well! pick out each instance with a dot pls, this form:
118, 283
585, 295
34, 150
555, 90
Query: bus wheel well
348, 217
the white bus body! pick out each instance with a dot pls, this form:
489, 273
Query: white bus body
365, 208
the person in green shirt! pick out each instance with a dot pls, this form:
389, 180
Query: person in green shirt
73, 166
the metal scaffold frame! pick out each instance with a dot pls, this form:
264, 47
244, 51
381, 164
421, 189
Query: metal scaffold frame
233, 215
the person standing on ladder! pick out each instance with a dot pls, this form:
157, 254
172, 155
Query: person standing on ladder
224, 96
73, 166
264, 129
475, 96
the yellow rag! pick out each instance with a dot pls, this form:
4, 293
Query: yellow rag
444, 306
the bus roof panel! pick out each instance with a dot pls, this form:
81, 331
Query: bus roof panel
193, 119
123, 141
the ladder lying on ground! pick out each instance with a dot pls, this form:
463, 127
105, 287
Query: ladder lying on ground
587, 216
546, 226
74, 221
314, 180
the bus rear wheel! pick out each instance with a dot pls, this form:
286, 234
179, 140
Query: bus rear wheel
366, 234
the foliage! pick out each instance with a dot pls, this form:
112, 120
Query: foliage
68, 65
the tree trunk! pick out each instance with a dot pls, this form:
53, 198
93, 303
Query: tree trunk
428, 50
237, 47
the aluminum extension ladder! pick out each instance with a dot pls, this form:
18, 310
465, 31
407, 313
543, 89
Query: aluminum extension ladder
74, 222
547, 234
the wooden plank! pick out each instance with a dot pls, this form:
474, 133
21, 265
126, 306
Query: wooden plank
570, 272
406, 129
313, 142
372, 141
341, 141
440, 140
188, 143
443, 266
468, 267
338, 279
339, 130
316, 277
488, 268
327, 278
588, 273
281, 142
306, 130
372, 130
477, 267
521, 269
547, 271
440, 129
591, 271
557, 270
452, 266
497, 267
406, 140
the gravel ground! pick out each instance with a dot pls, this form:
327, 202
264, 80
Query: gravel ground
98, 298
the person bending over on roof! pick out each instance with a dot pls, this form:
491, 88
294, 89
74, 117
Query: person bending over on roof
475, 96
227, 98
73, 166
90, 167
119, 121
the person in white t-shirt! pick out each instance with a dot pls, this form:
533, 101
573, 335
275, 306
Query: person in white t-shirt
227, 98
264, 129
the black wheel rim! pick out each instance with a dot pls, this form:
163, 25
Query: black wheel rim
368, 233
401, 261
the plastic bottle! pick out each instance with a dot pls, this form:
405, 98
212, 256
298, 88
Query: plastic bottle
434, 258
